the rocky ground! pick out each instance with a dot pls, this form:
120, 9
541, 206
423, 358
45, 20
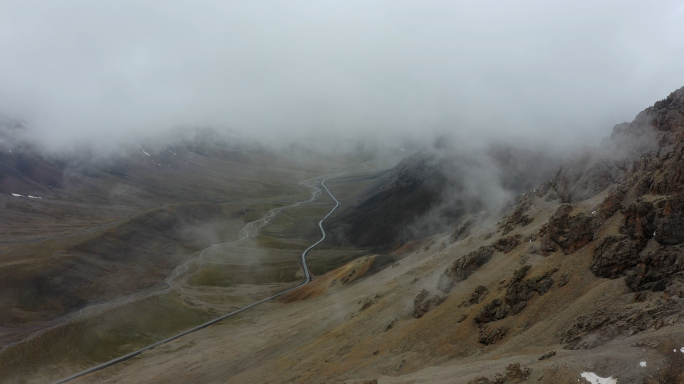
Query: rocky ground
581, 278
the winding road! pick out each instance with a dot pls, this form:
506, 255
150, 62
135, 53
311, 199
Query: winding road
307, 279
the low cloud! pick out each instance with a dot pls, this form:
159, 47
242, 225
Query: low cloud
555, 73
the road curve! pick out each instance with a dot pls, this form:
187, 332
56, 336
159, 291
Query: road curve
211, 322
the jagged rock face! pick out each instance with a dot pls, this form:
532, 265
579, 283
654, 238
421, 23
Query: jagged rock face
570, 233
619, 256
595, 329
639, 222
668, 114
492, 311
670, 177
611, 205
614, 256
654, 132
489, 337
669, 224
654, 269
519, 292
464, 267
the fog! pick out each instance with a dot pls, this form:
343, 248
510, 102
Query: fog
547, 72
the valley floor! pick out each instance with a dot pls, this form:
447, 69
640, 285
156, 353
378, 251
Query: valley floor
357, 328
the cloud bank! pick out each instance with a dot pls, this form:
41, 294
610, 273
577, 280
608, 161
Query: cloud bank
547, 71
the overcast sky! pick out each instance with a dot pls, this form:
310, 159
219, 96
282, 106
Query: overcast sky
106, 70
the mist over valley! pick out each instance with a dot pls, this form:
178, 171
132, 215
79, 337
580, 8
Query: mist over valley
343, 192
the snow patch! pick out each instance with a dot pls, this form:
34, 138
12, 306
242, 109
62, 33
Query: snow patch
596, 379
34, 197
642, 364
16, 195
170, 151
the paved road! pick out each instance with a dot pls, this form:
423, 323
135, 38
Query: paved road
211, 322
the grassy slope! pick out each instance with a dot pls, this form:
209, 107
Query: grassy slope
365, 330
230, 277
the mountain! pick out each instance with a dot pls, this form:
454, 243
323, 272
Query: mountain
431, 190
582, 278
79, 229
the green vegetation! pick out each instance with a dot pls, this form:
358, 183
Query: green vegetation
93, 340
300, 222
271, 257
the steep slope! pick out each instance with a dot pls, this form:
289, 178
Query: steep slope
571, 283
429, 191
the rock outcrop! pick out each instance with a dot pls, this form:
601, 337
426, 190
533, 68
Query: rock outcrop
464, 267
655, 269
520, 291
597, 328
477, 296
655, 132
669, 223
638, 224
614, 256
568, 231
492, 311
507, 244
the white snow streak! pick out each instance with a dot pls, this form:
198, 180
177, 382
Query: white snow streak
596, 379
143, 150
